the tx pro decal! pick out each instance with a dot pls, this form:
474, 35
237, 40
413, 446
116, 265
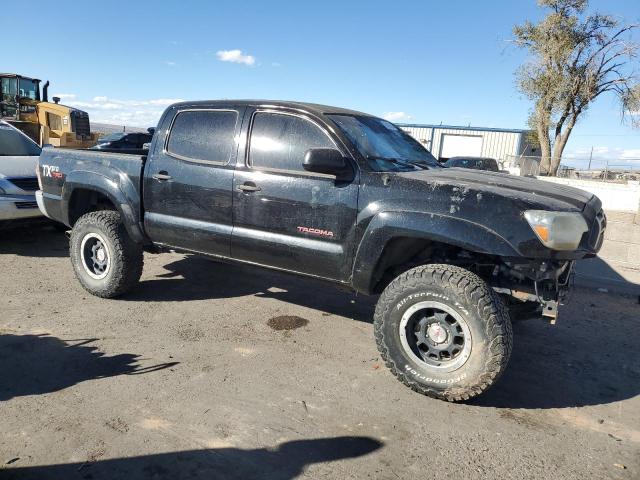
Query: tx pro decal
52, 171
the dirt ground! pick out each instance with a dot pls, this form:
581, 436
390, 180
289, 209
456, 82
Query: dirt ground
213, 371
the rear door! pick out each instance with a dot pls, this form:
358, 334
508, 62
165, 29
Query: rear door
189, 178
284, 216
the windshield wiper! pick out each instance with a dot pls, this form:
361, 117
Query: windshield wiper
396, 161
422, 164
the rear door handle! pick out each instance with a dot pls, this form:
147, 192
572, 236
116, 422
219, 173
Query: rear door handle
161, 176
249, 187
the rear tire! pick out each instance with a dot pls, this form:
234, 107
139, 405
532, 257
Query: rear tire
443, 332
105, 259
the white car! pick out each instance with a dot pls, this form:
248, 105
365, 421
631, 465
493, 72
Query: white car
18, 182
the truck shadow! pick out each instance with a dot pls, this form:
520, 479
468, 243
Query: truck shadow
38, 364
588, 358
285, 462
598, 273
34, 240
197, 278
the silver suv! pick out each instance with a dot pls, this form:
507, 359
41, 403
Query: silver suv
18, 182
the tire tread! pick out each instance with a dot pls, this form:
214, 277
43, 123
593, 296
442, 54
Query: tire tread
127, 257
497, 325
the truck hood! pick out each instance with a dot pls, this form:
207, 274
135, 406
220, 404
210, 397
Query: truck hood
524, 189
11, 166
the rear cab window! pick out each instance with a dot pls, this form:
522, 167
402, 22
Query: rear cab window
279, 141
203, 136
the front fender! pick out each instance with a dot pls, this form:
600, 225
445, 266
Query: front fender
428, 226
119, 190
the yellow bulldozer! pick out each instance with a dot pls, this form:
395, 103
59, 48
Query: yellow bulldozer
24, 106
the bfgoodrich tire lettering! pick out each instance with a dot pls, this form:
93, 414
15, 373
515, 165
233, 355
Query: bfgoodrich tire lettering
473, 312
120, 259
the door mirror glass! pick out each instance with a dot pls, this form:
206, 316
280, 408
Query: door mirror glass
324, 160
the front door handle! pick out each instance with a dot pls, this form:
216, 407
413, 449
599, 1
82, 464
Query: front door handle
249, 187
161, 176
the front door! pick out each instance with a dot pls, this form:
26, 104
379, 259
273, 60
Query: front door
188, 181
284, 216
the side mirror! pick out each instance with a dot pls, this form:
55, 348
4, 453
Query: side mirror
324, 160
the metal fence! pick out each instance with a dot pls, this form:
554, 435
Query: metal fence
615, 170
612, 170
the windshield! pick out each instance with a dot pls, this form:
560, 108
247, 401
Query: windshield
461, 162
473, 162
14, 143
385, 146
112, 137
28, 88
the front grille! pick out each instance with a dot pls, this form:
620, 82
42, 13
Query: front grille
596, 232
26, 205
80, 123
29, 184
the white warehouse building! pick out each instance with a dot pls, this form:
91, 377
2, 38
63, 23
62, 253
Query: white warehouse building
446, 141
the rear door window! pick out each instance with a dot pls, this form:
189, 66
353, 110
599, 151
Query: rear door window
203, 135
280, 141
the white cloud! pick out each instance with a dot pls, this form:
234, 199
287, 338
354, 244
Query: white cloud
604, 152
135, 113
396, 116
276, 64
169, 63
630, 153
235, 56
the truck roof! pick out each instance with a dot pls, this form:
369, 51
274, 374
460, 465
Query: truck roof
310, 107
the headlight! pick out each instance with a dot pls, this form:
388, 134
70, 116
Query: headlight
557, 230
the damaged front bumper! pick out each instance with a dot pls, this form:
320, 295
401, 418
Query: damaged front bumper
537, 288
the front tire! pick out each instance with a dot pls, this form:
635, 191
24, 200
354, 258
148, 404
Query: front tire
105, 259
443, 332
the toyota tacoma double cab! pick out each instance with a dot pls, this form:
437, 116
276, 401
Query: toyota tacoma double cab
338, 195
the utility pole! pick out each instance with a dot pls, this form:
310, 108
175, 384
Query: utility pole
590, 158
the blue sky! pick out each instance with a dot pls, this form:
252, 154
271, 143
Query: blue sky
413, 61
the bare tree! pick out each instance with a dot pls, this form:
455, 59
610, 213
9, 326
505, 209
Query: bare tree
574, 58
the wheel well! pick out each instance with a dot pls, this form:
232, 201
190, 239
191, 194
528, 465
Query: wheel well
84, 201
403, 253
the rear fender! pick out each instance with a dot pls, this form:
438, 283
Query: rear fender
117, 187
450, 230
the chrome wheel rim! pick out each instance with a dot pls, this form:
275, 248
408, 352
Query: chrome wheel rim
96, 258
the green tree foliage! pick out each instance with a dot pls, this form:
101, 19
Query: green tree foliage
574, 58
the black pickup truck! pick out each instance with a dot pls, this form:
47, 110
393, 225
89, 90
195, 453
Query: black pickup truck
338, 195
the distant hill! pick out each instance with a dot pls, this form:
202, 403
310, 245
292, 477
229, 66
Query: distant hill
106, 128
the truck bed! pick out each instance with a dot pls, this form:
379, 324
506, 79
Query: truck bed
62, 171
